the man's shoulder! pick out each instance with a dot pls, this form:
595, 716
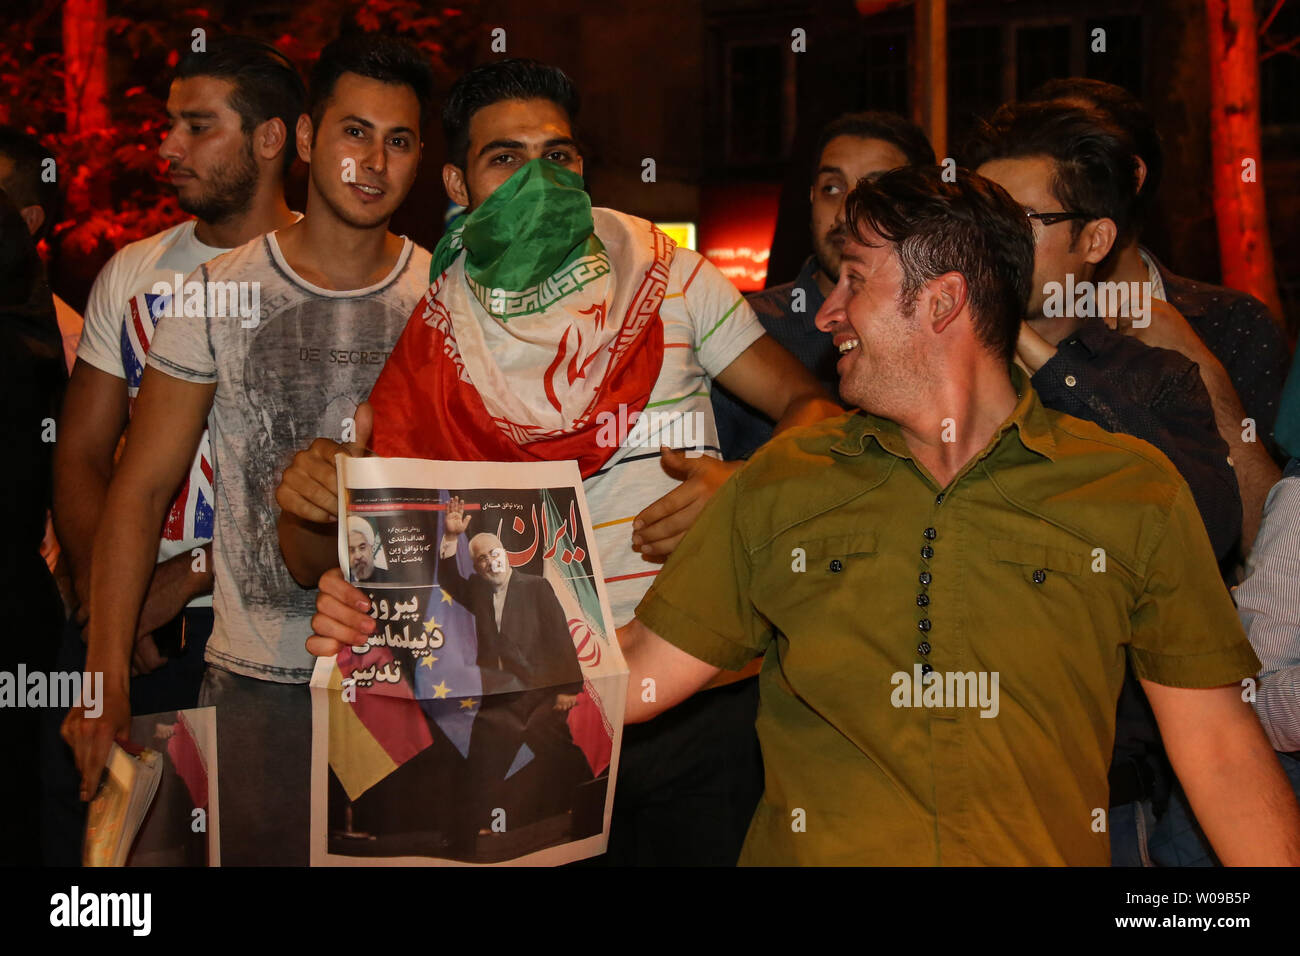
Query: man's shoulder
805, 455
1197, 300
773, 296
142, 255
775, 306
1092, 453
412, 280
252, 255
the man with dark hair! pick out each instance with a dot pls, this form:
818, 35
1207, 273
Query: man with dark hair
320, 303
512, 79
28, 175
849, 147
1072, 172
375, 57
1067, 165
956, 487
1248, 344
232, 112
551, 330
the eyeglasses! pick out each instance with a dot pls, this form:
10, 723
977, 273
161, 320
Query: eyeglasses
1052, 218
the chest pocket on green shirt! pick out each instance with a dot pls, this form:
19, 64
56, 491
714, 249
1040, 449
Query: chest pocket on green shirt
1039, 561
832, 556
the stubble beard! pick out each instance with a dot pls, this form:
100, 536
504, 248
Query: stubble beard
229, 192
826, 252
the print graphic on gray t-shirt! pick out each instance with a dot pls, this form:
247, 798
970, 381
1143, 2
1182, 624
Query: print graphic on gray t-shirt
296, 374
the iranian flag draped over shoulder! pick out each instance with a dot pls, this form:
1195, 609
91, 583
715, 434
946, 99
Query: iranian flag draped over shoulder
542, 314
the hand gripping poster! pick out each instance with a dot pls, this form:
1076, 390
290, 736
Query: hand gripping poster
482, 721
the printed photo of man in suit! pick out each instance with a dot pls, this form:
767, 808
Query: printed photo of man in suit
531, 679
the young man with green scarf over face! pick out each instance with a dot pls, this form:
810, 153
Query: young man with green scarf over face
549, 325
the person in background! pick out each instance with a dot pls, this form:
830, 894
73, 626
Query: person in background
1268, 602
1073, 170
29, 176
1236, 327
231, 111
851, 146
34, 376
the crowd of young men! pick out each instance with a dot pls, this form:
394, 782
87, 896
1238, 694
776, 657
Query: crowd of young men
949, 523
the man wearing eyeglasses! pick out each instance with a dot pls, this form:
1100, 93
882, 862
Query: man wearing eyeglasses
1073, 172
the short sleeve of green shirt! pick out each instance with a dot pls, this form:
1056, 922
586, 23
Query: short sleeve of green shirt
700, 601
1185, 629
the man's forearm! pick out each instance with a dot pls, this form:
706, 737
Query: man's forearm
1255, 468
1237, 789
660, 675
80, 489
123, 563
1247, 808
308, 549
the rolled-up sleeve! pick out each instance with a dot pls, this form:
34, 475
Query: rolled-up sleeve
1185, 631
700, 601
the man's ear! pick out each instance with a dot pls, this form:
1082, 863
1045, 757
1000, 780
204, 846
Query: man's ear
1140, 171
269, 138
303, 138
1098, 237
34, 216
453, 180
948, 294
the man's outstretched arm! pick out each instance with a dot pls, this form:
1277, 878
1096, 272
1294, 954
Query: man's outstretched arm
165, 430
1238, 791
661, 674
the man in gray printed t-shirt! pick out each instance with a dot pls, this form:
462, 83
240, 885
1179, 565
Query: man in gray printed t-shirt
273, 344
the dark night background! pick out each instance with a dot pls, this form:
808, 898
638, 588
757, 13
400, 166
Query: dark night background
710, 89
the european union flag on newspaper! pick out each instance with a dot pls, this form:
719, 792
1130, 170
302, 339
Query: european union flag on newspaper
447, 681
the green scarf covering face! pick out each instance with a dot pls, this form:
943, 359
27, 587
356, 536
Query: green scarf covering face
534, 224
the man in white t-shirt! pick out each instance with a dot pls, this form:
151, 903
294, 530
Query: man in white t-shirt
687, 785
320, 304
232, 111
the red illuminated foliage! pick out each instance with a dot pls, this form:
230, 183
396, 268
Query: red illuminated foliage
92, 87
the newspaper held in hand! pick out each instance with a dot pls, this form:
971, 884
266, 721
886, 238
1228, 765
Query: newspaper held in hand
120, 805
481, 722
158, 803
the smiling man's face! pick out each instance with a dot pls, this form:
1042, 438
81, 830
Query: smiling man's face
876, 337
366, 149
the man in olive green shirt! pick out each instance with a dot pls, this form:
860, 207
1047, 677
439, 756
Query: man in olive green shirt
945, 586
